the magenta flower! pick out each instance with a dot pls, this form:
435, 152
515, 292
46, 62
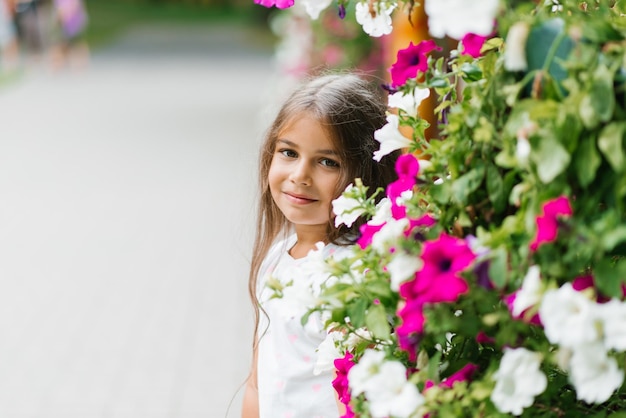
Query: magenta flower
472, 44
407, 166
281, 4
398, 211
439, 279
412, 316
483, 338
396, 188
462, 375
547, 224
581, 283
424, 221
340, 383
410, 61
367, 233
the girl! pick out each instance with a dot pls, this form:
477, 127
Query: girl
321, 140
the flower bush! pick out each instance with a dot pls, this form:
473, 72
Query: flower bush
491, 279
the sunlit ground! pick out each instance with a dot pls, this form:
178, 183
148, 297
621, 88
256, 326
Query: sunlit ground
126, 223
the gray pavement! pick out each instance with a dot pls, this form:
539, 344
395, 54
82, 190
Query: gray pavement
126, 220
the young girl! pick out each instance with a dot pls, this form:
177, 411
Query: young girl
321, 140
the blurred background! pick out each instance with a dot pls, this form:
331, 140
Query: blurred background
129, 132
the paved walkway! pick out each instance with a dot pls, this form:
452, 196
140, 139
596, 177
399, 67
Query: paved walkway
126, 206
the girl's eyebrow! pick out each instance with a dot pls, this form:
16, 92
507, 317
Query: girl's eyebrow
294, 145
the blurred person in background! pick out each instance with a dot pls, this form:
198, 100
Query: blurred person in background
28, 28
68, 46
9, 52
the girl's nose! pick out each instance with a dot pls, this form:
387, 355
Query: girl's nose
301, 174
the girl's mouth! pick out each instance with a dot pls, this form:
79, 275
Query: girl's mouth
299, 199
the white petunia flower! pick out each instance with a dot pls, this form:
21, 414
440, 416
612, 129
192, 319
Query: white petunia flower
456, 18
530, 293
389, 234
327, 353
594, 374
383, 212
568, 317
402, 267
390, 394
522, 150
361, 374
315, 7
613, 318
358, 336
518, 380
346, 209
375, 17
408, 102
390, 138
385, 385
515, 47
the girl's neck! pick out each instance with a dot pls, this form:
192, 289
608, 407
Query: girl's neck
306, 240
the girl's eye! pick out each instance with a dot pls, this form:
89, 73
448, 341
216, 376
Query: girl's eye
288, 153
327, 162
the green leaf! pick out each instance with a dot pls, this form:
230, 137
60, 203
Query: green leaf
376, 322
356, 312
495, 188
439, 83
598, 104
551, 158
441, 193
613, 237
468, 183
471, 72
587, 161
610, 143
608, 277
497, 267
587, 114
602, 95
547, 45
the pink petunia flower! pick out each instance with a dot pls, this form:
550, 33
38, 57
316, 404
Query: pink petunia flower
438, 281
444, 259
483, 338
410, 61
407, 165
398, 211
396, 188
407, 168
410, 330
547, 224
340, 383
462, 375
472, 44
367, 233
587, 281
281, 4
423, 221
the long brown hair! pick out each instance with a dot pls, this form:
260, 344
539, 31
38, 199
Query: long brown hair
350, 110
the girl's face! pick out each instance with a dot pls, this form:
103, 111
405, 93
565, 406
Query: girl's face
304, 174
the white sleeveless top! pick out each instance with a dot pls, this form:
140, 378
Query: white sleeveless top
287, 386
